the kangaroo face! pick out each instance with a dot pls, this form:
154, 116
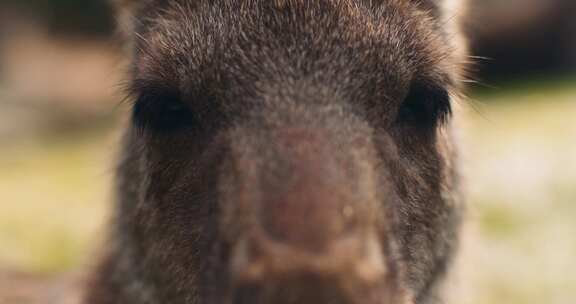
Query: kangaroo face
286, 152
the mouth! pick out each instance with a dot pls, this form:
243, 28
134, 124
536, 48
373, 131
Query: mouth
314, 289
291, 290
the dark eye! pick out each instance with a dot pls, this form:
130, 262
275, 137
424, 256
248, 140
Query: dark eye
425, 107
162, 112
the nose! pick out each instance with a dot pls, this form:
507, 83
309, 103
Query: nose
309, 203
315, 212
259, 260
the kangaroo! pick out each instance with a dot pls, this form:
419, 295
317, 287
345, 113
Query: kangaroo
286, 151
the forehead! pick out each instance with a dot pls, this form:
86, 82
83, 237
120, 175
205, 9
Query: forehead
335, 44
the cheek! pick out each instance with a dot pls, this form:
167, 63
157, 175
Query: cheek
414, 169
418, 158
178, 214
181, 178
419, 174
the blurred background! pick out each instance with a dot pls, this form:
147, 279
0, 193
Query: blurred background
60, 106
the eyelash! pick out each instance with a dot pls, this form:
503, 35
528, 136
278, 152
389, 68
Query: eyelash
162, 112
425, 107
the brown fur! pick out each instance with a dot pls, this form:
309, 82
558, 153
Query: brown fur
286, 151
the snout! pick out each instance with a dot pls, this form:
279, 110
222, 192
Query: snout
308, 198
311, 221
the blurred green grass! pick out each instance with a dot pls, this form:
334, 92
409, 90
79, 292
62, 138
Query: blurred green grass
53, 198
520, 152
520, 166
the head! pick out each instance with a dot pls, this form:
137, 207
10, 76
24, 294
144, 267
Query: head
287, 151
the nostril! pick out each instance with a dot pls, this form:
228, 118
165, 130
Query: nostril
354, 271
259, 259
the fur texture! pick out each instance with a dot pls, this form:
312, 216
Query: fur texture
286, 151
